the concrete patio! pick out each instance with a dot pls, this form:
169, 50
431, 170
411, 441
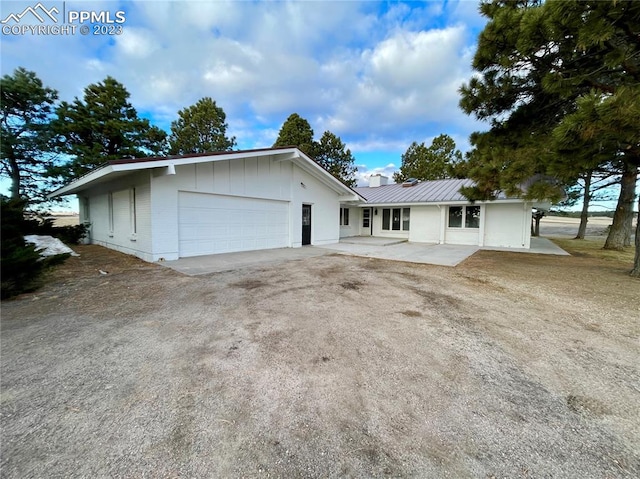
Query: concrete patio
438, 254
390, 249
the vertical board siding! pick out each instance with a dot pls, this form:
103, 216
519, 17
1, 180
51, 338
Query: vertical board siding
119, 235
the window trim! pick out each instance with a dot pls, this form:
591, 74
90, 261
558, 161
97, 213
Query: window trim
463, 217
366, 217
133, 214
344, 216
388, 212
111, 218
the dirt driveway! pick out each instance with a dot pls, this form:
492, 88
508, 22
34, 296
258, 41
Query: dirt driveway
509, 365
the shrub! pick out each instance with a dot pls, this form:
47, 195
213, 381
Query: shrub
21, 265
71, 234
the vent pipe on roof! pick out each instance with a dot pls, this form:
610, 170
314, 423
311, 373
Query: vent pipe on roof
378, 180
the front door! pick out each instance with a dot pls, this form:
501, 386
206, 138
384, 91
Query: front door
367, 226
306, 224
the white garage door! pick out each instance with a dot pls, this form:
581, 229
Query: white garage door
210, 224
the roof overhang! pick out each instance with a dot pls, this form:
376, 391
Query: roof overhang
441, 203
120, 168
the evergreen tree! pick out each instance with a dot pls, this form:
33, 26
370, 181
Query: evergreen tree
552, 74
103, 126
27, 108
296, 131
333, 155
200, 128
434, 162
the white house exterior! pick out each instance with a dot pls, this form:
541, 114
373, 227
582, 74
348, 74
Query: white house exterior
435, 212
167, 208
193, 205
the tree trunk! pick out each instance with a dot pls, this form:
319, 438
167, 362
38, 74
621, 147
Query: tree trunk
584, 215
636, 261
617, 233
628, 227
14, 170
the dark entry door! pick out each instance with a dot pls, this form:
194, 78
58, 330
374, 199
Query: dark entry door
306, 224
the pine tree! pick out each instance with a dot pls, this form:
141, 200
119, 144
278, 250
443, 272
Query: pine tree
552, 76
296, 131
103, 126
27, 109
200, 128
434, 162
333, 155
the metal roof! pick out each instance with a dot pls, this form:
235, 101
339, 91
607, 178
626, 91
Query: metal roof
438, 191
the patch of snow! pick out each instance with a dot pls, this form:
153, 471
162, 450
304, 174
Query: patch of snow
49, 246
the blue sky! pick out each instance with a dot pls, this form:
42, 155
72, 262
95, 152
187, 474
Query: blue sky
378, 74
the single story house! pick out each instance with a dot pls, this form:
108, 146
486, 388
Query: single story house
200, 204
172, 207
436, 212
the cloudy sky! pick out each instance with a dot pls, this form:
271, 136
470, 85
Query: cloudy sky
378, 74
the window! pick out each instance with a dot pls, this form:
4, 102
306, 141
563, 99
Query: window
455, 216
471, 215
396, 219
86, 209
366, 218
386, 217
395, 224
406, 213
132, 210
344, 216
110, 203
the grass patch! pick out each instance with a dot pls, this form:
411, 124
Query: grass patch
592, 248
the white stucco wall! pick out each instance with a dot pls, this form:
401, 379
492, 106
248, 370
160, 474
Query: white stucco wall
325, 209
507, 225
425, 224
501, 225
355, 222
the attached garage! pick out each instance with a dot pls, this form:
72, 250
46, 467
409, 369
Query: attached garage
210, 224
161, 209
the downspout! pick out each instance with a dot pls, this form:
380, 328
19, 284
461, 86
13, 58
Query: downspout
526, 225
443, 223
483, 215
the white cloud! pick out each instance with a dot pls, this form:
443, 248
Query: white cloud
409, 78
379, 80
136, 43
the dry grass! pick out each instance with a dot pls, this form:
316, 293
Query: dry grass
508, 365
66, 220
591, 247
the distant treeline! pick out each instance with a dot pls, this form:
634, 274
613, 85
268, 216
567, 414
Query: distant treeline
576, 214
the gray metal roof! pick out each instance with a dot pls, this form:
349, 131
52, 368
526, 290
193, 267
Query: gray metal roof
438, 191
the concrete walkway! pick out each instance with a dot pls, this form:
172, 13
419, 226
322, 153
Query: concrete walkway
369, 247
216, 263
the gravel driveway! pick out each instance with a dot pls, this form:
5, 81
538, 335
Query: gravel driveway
509, 365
